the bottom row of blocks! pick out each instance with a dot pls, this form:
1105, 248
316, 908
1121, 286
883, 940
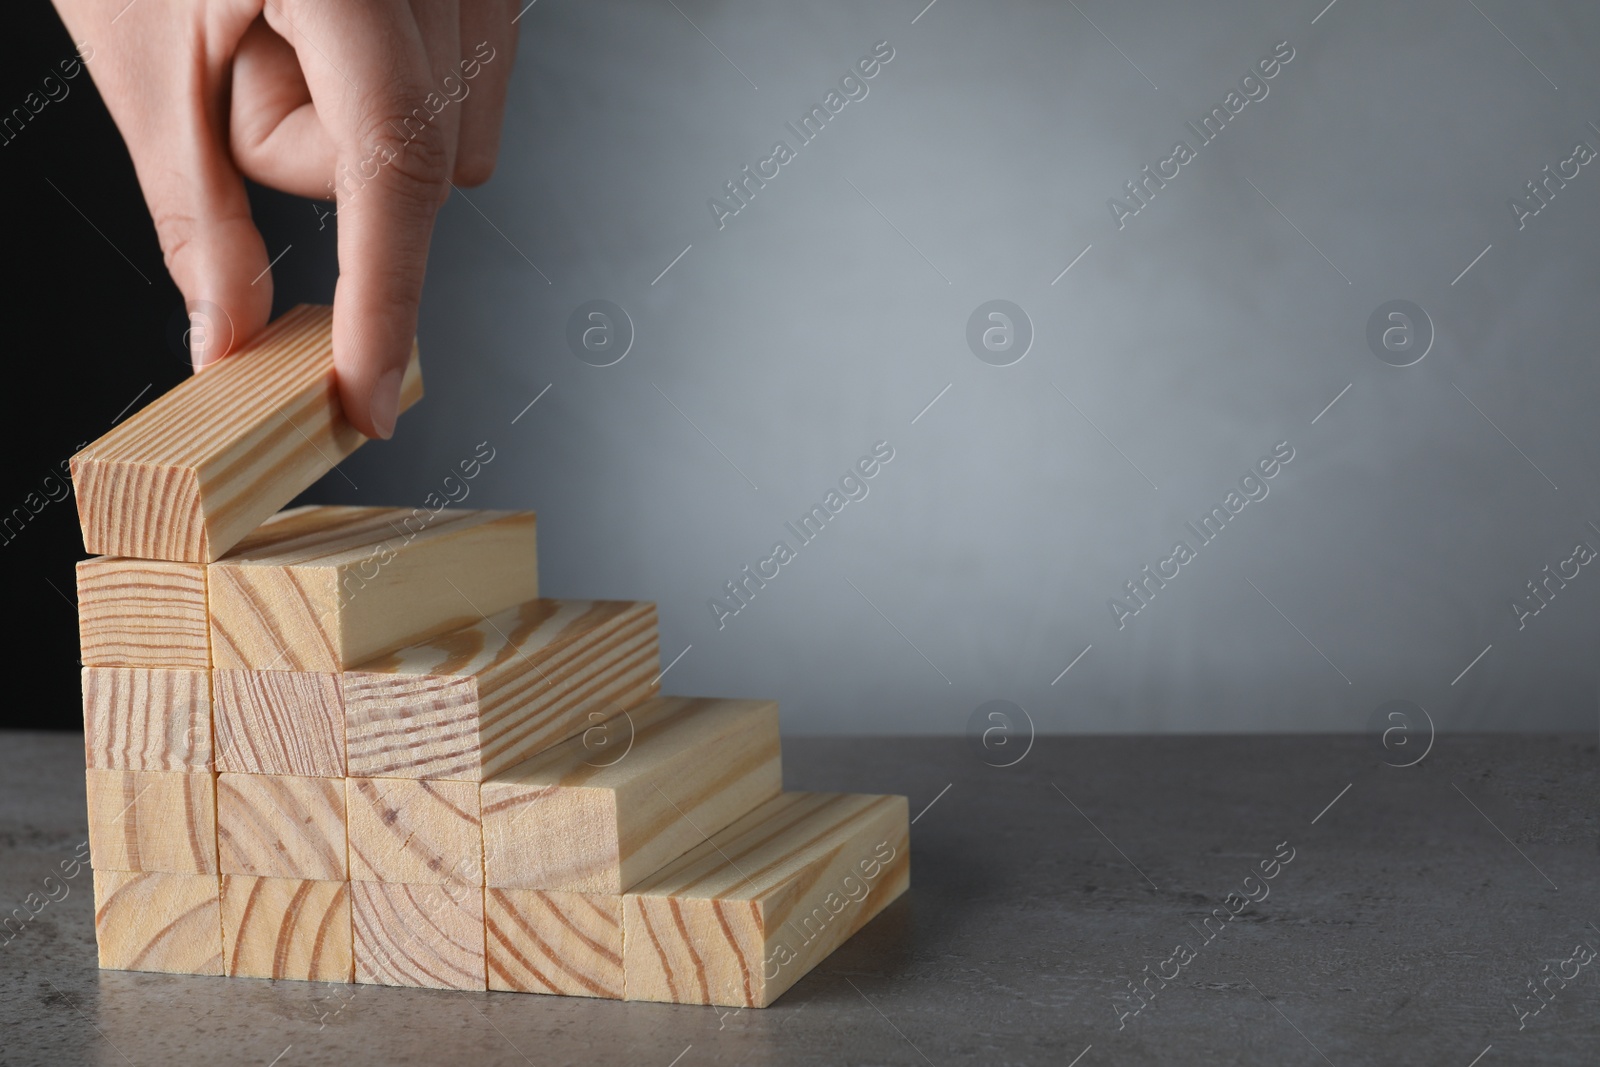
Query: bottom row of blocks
734, 922
370, 932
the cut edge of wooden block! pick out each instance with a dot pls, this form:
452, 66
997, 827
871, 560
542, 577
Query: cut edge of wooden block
188, 939
279, 722
414, 831
152, 822
377, 907
172, 592
292, 826
147, 719
308, 934
554, 943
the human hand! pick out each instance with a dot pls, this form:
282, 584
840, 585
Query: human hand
381, 104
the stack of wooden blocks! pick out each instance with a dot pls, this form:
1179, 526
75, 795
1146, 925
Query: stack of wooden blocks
354, 744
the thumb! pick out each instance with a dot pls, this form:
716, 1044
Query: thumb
172, 113
217, 258
210, 243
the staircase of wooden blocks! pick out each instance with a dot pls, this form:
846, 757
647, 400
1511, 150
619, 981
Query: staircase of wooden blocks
354, 744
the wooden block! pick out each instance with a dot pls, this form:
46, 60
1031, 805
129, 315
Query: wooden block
470, 703
142, 613
418, 832
286, 928
740, 918
418, 935
152, 821
279, 722
596, 821
281, 826
147, 719
323, 588
157, 922
192, 473
566, 943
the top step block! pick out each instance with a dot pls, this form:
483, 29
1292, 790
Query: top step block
186, 478
323, 588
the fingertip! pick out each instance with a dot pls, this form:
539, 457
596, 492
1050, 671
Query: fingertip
383, 407
227, 289
371, 355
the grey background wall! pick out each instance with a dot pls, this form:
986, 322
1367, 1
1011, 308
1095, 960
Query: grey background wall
1181, 348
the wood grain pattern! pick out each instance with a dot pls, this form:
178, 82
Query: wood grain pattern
152, 821
281, 826
199, 468
158, 922
595, 818
418, 832
565, 943
472, 702
287, 928
147, 719
418, 935
740, 918
279, 722
323, 588
142, 613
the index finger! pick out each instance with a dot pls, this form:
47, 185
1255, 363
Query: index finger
368, 70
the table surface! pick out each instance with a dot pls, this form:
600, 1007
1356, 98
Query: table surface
1418, 908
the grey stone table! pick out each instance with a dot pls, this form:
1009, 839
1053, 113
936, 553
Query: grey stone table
1416, 910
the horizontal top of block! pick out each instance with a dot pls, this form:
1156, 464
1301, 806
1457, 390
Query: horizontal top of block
537, 628
339, 536
189, 475
653, 734
756, 856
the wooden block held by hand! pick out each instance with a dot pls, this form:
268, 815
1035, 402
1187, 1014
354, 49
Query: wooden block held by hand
324, 588
566, 943
157, 922
418, 935
162, 821
281, 826
596, 818
287, 928
418, 832
740, 918
279, 722
196, 470
142, 613
472, 702
147, 719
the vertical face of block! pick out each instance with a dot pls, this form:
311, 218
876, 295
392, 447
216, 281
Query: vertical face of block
426, 833
279, 722
147, 719
281, 826
418, 935
472, 702
287, 928
324, 588
158, 922
152, 821
597, 814
142, 613
565, 943
742, 917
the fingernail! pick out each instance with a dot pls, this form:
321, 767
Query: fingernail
385, 405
